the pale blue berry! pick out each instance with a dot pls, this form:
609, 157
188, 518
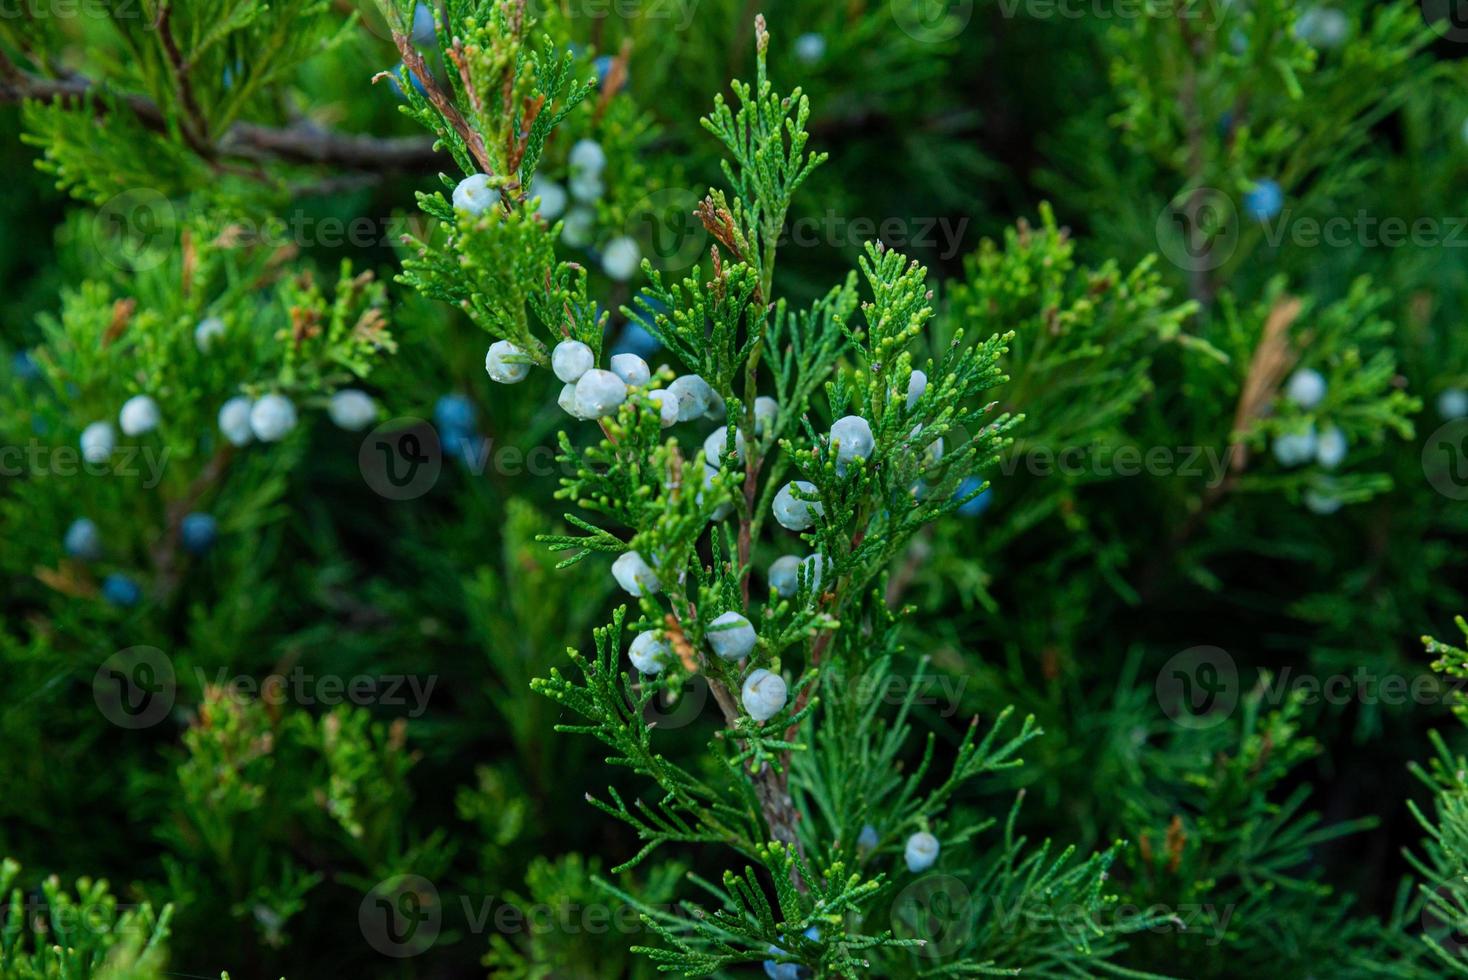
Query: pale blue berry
425, 32
921, 851
210, 329
619, 260
588, 188
631, 369
506, 363
867, 839
121, 591
1264, 200
1330, 450
635, 575
766, 411
1322, 503
785, 575
234, 421
851, 439
352, 409
813, 934
717, 410
1306, 388
579, 227
916, 385
571, 359
552, 197
731, 636
716, 446
764, 694
693, 394
454, 413
974, 506
139, 415
587, 157
83, 540
1295, 448
98, 441
272, 417
793, 513
667, 406
198, 532
474, 195
599, 393
567, 399
1453, 404
1323, 27
648, 653
781, 971
810, 48
726, 507
811, 568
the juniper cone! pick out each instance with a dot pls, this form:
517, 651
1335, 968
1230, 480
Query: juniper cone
327, 654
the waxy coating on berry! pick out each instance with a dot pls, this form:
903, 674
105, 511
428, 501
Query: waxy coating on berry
234, 421
272, 417
693, 394
715, 447
1295, 448
474, 195
793, 513
648, 653
505, 363
851, 439
599, 393
552, 197
812, 568
571, 359
667, 405
1306, 388
83, 539
631, 369
619, 260
635, 575
352, 409
766, 411
731, 636
921, 851
139, 415
916, 385
587, 157
579, 227
725, 507
1452, 404
98, 441
785, 575
764, 694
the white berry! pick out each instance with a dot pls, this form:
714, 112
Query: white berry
620, 258
723, 510
647, 653
851, 438
579, 227
635, 575
667, 407
475, 195
352, 409
1306, 388
98, 440
631, 369
1330, 449
693, 394
588, 188
717, 442
552, 197
272, 417
587, 157
793, 513
599, 393
810, 48
1453, 404
506, 363
1295, 448
766, 410
567, 399
234, 421
785, 575
921, 851
731, 636
210, 329
812, 568
571, 359
764, 694
916, 385
139, 415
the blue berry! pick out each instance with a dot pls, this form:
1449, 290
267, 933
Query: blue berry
867, 839
766, 411
693, 394
1295, 448
234, 421
98, 441
506, 363
579, 227
725, 507
425, 31
209, 329
25, 366
272, 418
454, 413
1264, 200
916, 385
764, 694
571, 359
785, 575
588, 188
604, 68
811, 568
352, 409
620, 258
396, 72
1322, 503
810, 48
781, 971
1453, 404
921, 851
1330, 449
139, 415
599, 393
648, 653
793, 513
552, 197
83, 540
1323, 27
977, 505
474, 195
635, 575
851, 439
732, 636
715, 447
1306, 388
631, 369
587, 158
121, 591
667, 407
198, 532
